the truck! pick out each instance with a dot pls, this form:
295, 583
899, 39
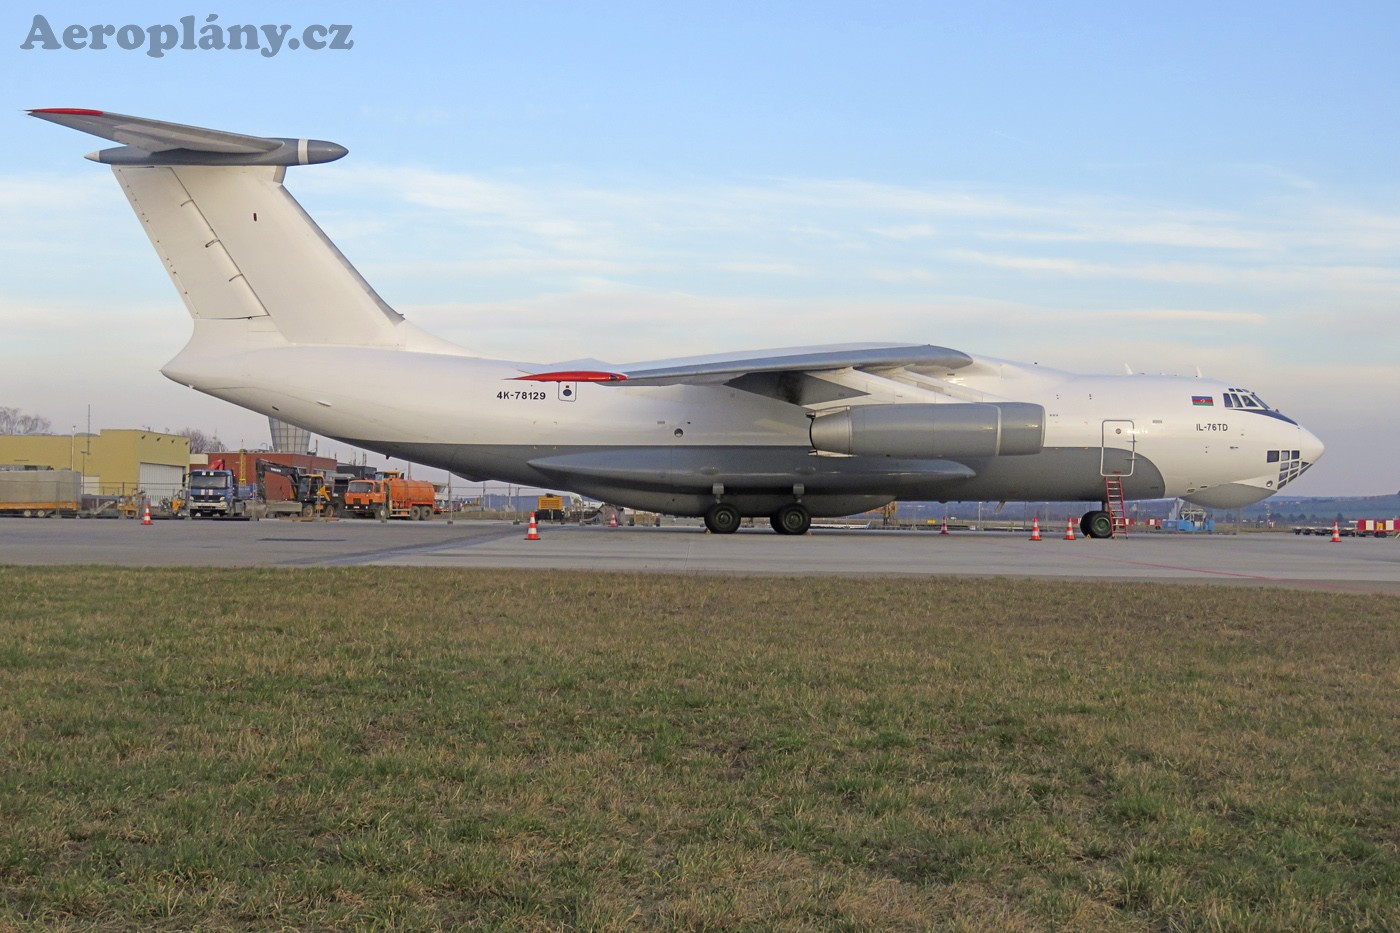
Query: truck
1377, 527
552, 507
307, 493
40, 493
215, 494
390, 495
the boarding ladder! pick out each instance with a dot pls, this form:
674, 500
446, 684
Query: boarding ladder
1113, 500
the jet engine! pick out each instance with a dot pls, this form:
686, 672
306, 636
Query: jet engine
932, 432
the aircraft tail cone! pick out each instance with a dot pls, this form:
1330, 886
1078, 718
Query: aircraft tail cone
146, 518
1035, 528
1069, 529
1336, 532
533, 534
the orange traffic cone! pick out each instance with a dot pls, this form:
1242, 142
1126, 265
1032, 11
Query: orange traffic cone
612, 519
1069, 529
1035, 528
533, 534
1336, 532
146, 518
945, 527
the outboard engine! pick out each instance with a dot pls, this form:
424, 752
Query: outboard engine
952, 431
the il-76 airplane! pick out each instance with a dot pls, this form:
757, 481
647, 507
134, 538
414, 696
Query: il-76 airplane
285, 326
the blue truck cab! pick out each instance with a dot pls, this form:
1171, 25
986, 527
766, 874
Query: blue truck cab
214, 493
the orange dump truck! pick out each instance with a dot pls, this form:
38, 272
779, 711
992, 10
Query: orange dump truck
390, 496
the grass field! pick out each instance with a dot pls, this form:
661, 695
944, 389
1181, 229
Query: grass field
416, 749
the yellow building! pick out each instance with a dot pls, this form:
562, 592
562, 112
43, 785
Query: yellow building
114, 462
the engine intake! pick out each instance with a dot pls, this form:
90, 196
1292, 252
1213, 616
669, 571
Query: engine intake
933, 432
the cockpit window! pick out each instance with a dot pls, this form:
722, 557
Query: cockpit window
1243, 398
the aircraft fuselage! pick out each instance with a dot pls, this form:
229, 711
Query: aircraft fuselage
678, 448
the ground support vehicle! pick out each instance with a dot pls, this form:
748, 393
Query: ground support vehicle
1378, 527
214, 494
390, 495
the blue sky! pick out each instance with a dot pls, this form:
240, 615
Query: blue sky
1084, 185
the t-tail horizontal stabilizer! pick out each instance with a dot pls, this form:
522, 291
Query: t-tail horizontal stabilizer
155, 142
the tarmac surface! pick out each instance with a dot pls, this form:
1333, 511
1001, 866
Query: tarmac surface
1357, 565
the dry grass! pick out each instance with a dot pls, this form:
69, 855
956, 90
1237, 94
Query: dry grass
418, 749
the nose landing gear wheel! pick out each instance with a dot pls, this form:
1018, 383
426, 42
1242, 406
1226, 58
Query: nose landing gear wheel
1096, 524
723, 519
792, 519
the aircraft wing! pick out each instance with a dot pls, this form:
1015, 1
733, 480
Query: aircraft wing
714, 370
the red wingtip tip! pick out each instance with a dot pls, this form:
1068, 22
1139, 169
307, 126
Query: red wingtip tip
574, 375
71, 111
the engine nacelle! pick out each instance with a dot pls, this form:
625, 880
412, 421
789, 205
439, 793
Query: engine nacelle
953, 431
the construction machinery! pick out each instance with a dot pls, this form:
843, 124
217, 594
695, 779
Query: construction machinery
291, 490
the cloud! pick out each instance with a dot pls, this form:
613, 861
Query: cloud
1193, 315
906, 231
765, 268
872, 214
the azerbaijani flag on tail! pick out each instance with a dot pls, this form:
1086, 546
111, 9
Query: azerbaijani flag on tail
1203, 400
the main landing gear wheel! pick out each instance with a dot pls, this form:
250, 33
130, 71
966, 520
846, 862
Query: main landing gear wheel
792, 519
723, 519
1096, 524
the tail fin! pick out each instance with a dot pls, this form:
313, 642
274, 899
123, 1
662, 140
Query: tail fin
236, 244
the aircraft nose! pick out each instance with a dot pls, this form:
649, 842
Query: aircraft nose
1309, 445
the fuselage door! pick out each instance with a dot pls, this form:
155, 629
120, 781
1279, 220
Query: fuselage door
1119, 449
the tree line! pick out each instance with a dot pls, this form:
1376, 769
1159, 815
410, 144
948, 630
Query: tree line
15, 421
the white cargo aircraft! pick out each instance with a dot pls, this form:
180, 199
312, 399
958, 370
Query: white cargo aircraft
285, 326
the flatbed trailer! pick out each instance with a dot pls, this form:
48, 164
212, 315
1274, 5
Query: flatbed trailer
66, 507
40, 493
